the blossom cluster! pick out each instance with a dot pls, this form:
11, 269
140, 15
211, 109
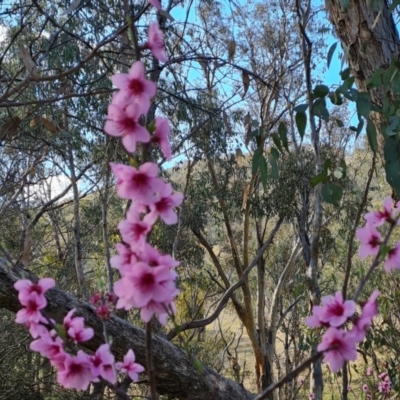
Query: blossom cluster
384, 385
104, 304
147, 276
371, 238
334, 314
75, 369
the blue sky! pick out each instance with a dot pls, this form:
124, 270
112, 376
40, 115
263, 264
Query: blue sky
330, 77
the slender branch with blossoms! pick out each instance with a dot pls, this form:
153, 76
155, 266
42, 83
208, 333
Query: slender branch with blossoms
344, 328
147, 277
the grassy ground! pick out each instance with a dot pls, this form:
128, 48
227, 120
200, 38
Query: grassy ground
230, 324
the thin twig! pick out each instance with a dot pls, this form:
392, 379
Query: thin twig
149, 363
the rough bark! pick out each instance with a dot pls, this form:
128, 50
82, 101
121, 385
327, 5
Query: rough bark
175, 375
370, 40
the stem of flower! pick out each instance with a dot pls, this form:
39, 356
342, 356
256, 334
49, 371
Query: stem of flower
149, 363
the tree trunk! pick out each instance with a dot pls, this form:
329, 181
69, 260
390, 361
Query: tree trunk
371, 40
369, 37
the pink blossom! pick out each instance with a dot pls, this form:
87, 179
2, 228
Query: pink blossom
334, 311
388, 214
139, 185
144, 284
383, 375
111, 297
161, 309
95, 299
129, 366
313, 321
311, 396
134, 230
31, 312
125, 258
123, 290
77, 372
349, 389
124, 121
385, 384
134, 88
370, 240
155, 42
25, 288
35, 329
102, 364
75, 328
345, 348
156, 4
369, 371
363, 323
51, 347
161, 137
154, 258
365, 388
393, 260
103, 311
164, 206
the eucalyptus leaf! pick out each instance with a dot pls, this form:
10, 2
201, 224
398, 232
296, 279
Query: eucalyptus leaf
301, 122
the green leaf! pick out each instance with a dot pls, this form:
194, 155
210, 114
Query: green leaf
301, 108
275, 153
282, 129
384, 252
255, 133
363, 104
391, 130
339, 123
345, 4
264, 172
321, 90
151, 127
319, 109
343, 166
198, 366
330, 53
359, 127
61, 331
332, 193
274, 166
345, 74
371, 134
277, 141
283, 135
256, 160
336, 97
391, 152
375, 79
301, 122
318, 179
327, 167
